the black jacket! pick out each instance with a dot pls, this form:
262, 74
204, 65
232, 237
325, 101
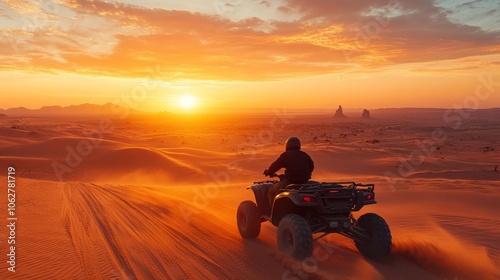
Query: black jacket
298, 166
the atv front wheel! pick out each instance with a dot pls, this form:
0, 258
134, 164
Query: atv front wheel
248, 219
378, 246
295, 236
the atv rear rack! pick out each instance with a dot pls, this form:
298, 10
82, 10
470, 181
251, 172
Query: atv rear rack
315, 186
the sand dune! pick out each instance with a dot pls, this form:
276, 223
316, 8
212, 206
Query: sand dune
151, 201
147, 166
55, 148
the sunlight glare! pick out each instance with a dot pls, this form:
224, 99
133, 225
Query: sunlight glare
187, 101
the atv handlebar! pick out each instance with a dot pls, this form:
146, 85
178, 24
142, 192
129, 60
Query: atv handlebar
274, 175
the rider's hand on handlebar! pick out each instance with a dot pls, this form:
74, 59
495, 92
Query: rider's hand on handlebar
266, 173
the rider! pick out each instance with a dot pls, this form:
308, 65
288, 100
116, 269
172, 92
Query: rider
298, 167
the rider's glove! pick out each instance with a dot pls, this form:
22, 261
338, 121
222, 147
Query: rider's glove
266, 172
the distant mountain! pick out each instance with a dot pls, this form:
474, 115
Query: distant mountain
73, 110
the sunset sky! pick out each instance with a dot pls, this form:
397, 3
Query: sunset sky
249, 53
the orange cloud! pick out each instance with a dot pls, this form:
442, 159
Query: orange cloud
22, 6
116, 39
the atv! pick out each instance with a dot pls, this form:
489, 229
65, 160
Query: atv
304, 213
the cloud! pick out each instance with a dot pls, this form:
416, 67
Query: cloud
265, 3
471, 4
22, 6
116, 39
409, 31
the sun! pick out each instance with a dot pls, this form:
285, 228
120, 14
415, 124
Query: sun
187, 101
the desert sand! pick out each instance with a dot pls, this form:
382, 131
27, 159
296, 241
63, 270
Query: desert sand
155, 197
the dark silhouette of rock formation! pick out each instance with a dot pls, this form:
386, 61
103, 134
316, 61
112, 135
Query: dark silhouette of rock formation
366, 114
339, 113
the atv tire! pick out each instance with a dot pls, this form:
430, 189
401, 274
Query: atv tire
378, 247
248, 219
295, 236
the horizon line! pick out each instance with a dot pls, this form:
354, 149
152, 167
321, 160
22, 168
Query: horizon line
205, 109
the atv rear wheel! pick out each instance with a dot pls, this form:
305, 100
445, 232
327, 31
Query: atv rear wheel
295, 236
378, 246
248, 219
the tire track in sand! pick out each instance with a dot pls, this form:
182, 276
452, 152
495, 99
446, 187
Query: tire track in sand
132, 232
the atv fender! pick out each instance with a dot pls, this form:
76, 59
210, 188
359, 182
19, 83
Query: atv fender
282, 205
290, 202
260, 192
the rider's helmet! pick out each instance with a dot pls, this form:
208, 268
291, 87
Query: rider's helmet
292, 143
